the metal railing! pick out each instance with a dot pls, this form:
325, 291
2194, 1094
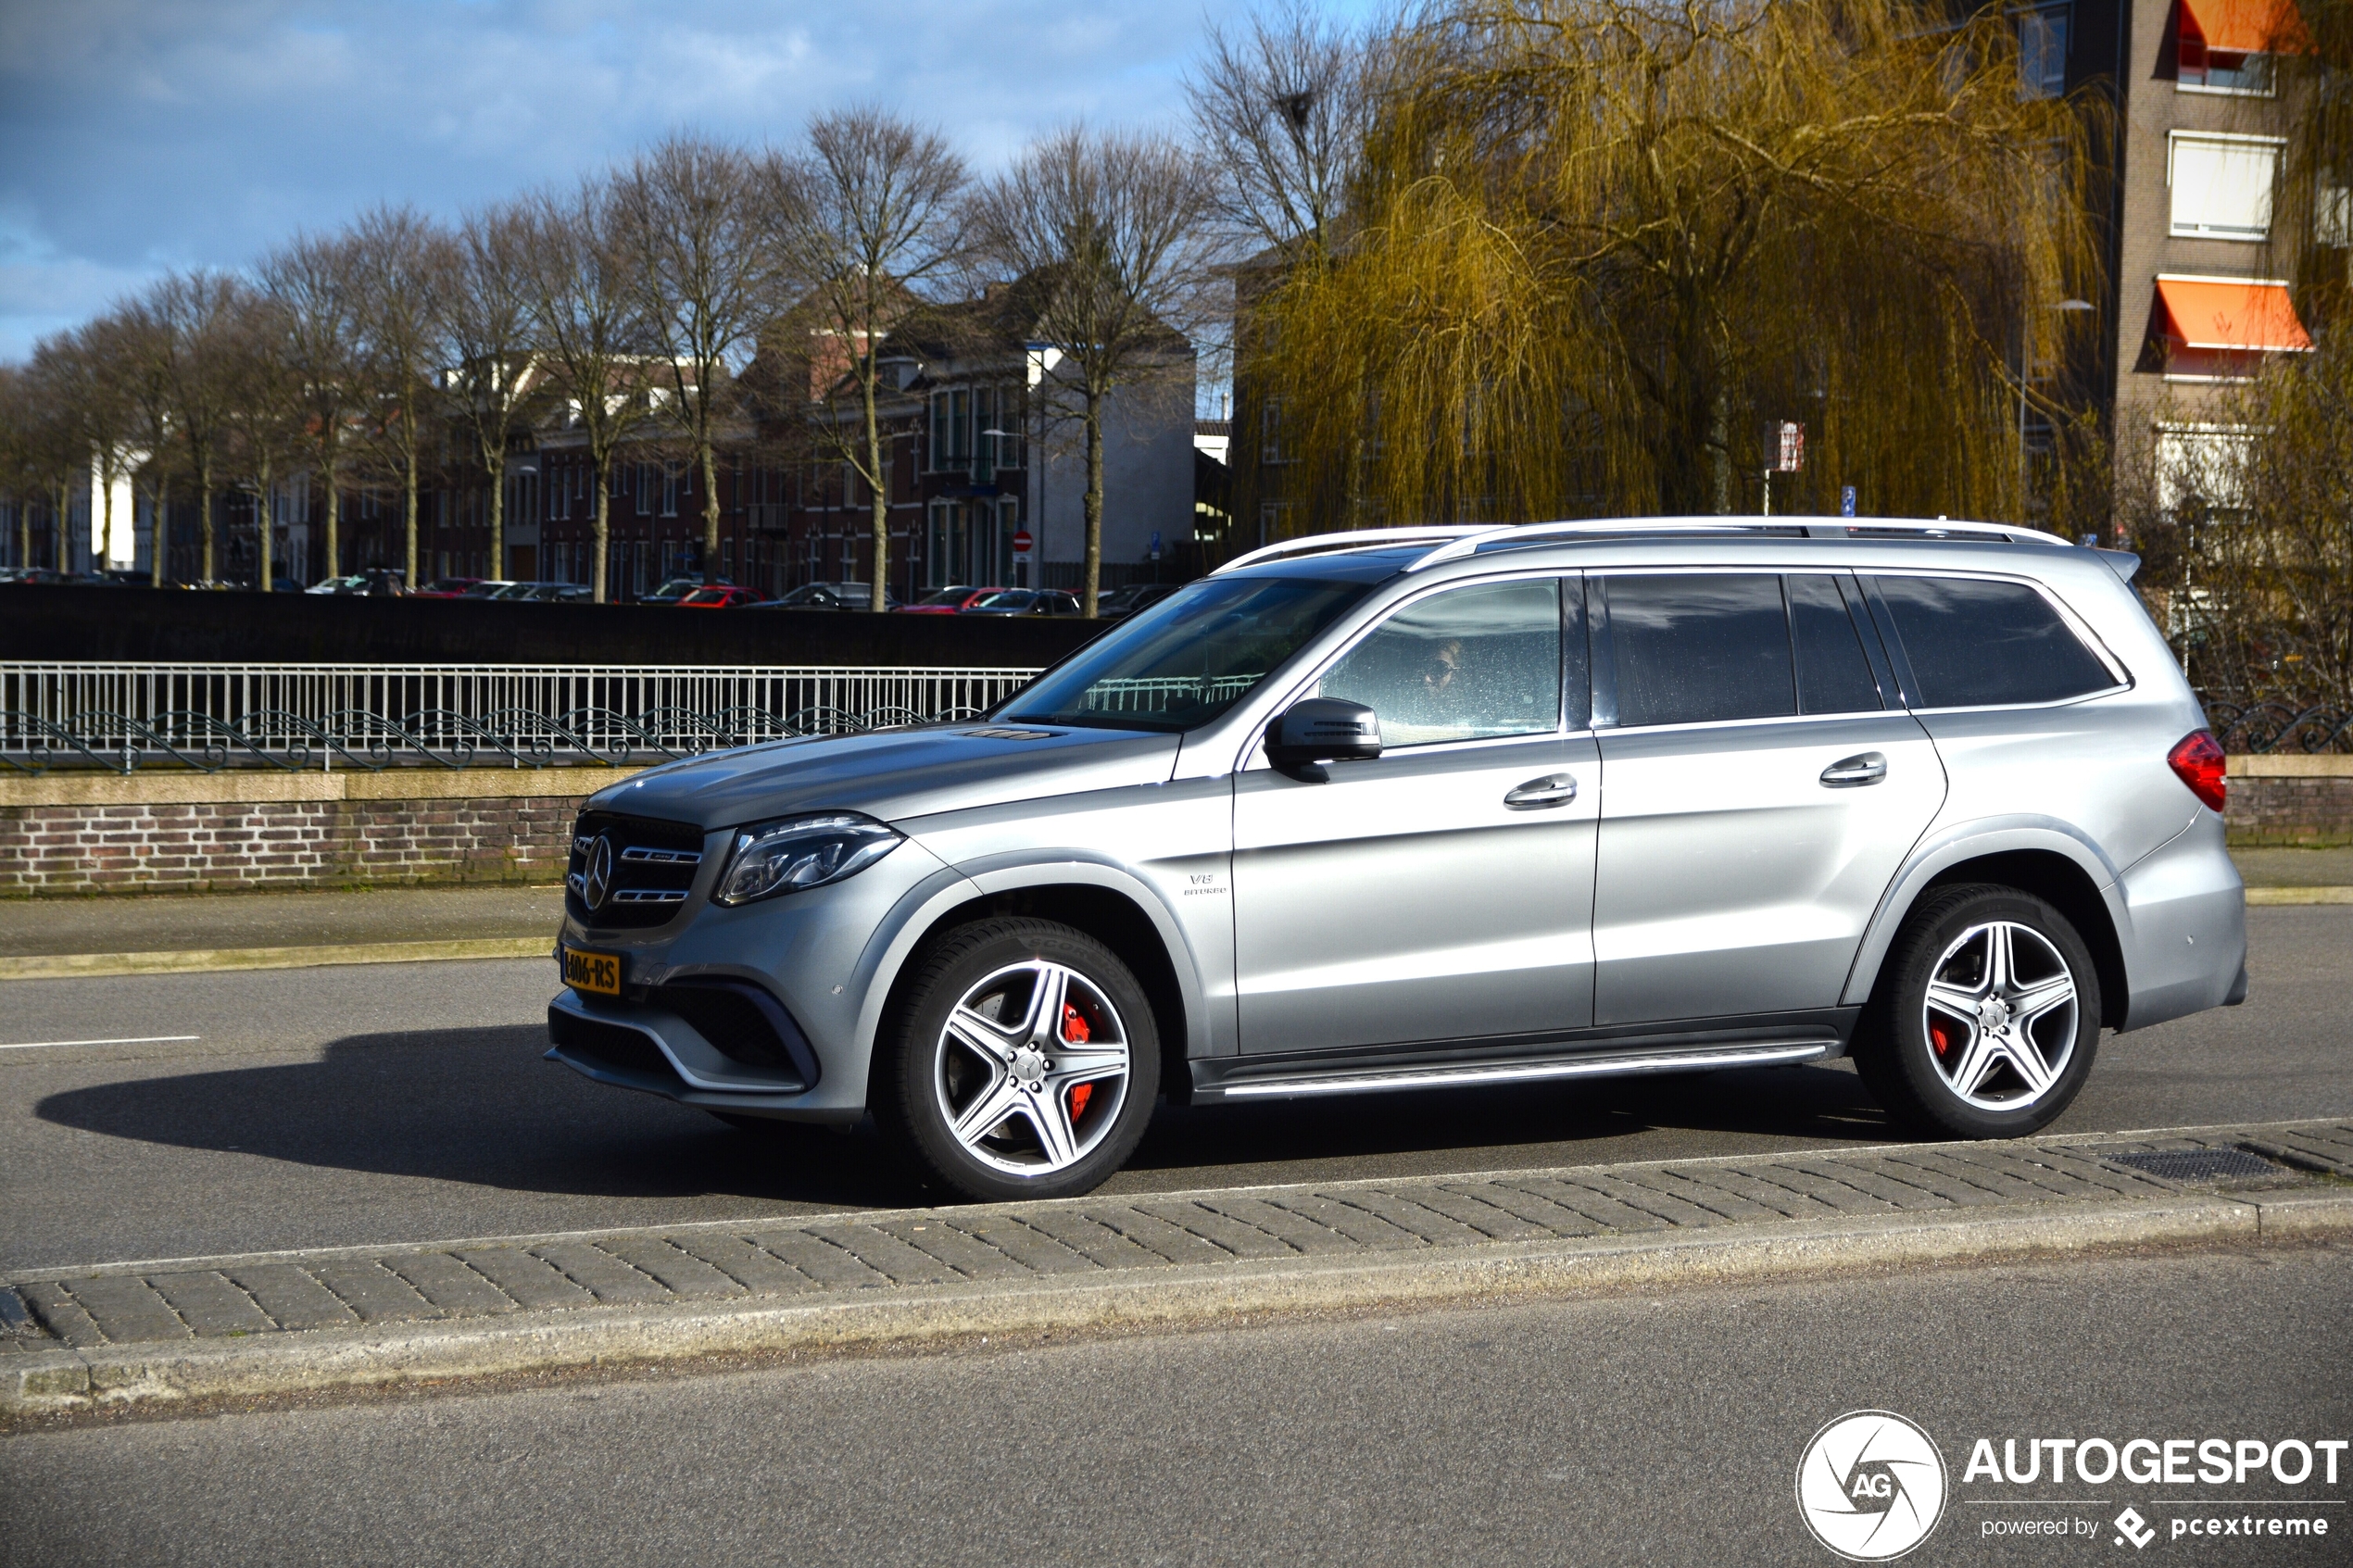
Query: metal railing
123, 717
2271, 727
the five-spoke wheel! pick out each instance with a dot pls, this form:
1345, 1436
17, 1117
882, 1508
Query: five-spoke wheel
1985, 1018
1025, 1063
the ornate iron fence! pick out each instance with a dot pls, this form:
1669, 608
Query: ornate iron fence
123, 717
2274, 727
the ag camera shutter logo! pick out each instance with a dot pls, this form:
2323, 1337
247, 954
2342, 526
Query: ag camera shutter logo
1870, 1485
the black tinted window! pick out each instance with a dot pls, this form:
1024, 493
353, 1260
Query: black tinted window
1468, 664
1834, 675
1974, 644
1701, 648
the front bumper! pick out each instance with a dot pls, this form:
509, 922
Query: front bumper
816, 958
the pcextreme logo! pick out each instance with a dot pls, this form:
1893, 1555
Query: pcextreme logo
1870, 1485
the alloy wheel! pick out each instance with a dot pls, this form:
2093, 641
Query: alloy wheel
2000, 1015
1032, 1068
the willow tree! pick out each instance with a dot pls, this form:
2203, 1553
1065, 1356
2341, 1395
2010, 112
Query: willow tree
1595, 245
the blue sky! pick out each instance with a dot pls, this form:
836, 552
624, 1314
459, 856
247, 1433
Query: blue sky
140, 135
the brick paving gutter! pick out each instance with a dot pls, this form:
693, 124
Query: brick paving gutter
135, 1332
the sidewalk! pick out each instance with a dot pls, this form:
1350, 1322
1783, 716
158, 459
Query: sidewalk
54, 938
51, 938
131, 1332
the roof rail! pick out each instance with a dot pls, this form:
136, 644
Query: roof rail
1468, 542
1361, 539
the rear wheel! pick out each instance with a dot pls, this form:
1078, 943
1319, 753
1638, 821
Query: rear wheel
1025, 1063
1987, 1018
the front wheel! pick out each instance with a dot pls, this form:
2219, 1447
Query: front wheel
1987, 1018
1025, 1063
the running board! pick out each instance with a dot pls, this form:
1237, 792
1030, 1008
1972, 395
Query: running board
1361, 1082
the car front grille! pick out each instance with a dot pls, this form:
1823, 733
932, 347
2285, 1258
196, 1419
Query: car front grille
651, 871
743, 1023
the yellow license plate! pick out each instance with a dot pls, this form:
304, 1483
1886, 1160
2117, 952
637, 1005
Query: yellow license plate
600, 972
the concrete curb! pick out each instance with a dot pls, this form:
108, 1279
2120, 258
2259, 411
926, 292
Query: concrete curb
2320, 895
64, 1380
196, 961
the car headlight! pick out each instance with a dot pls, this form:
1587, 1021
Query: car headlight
797, 852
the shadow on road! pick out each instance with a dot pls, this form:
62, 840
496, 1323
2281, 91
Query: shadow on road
479, 1106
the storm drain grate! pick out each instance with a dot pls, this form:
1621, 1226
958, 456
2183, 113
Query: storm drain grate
2197, 1164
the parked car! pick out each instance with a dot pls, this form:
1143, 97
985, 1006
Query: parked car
677, 588
448, 588
946, 601
32, 575
377, 582
1024, 601
1128, 600
561, 593
830, 596
718, 598
1410, 808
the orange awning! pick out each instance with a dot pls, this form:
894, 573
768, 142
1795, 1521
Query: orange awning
2232, 314
2247, 27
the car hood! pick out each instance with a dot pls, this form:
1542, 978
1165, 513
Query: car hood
892, 774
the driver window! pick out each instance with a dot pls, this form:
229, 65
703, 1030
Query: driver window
1468, 664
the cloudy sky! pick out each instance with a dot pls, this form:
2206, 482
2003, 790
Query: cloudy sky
140, 135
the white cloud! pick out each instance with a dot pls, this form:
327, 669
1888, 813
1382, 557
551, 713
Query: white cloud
150, 133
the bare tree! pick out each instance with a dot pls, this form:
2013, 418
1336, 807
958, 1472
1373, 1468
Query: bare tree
139, 342
585, 300
265, 418
708, 282
866, 216
19, 478
315, 282
90, 416
1109, 231
1281, 110
193, 319
484, 309
403, 260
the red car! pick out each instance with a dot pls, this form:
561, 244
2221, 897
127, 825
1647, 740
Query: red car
718, 598
947, 601
447, 588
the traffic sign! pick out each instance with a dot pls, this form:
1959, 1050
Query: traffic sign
1022, 540
1846, 501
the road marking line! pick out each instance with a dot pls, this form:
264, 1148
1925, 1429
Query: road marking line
128, 1040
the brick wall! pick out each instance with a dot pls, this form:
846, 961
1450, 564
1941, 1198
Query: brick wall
62, 835
2313, 809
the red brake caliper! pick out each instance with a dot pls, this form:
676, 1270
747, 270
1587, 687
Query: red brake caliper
1074, 1029
1937, 1037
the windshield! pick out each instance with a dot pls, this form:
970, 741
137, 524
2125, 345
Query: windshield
1188, 659
1011, 599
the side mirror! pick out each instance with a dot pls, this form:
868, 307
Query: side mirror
1322, 729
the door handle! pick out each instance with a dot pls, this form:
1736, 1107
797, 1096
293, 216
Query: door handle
1552, 789
1849, 772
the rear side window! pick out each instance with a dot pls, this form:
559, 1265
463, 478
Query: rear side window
1701, 648
1833, 673
1974, 644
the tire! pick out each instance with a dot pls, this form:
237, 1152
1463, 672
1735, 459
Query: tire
1022, 1062
1955, 1044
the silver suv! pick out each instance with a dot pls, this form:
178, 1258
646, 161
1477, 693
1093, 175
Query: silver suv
1409, 809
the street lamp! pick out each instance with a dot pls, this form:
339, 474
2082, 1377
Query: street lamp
2024, 373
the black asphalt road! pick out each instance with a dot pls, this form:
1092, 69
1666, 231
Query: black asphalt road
409, 1103
1625, 1430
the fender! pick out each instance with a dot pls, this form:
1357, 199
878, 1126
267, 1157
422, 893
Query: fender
1006, 873
1943, 847
884, 955
880, 966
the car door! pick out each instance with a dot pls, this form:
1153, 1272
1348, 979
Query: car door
1763, 787
1441, 891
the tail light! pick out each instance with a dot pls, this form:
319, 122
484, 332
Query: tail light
2197, 760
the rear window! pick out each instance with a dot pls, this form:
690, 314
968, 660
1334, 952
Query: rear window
1975, 644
